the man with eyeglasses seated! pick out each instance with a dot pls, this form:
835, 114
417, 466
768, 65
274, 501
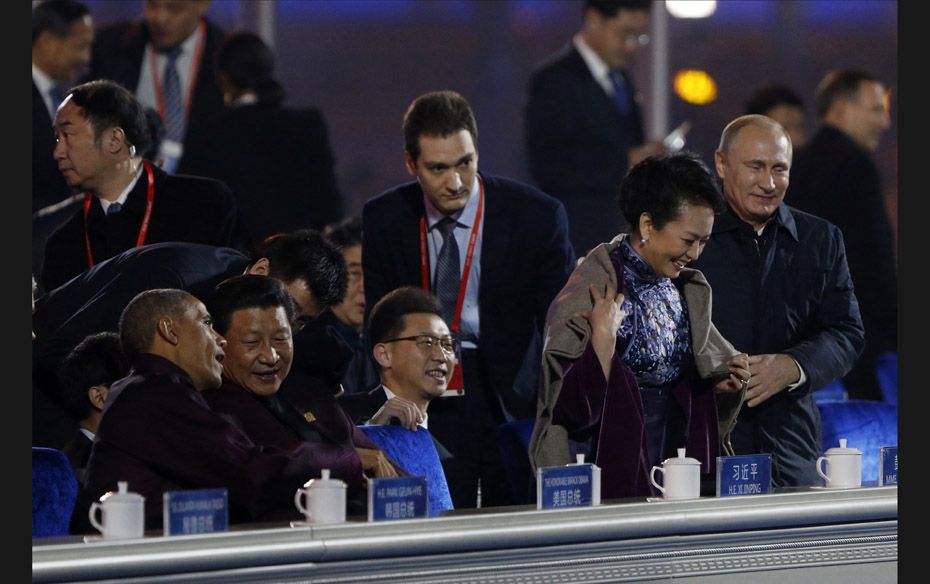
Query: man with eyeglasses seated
415, 353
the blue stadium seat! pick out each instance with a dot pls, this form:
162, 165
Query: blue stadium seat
513, 439
866, 424
886, 369
54, 492
833, 392
416, 452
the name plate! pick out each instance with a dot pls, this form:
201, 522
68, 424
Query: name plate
888, 466
195, 511
749, 474
572, 485
397, 498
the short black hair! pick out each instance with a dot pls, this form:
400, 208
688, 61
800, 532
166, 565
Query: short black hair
344, 233
767, 97
661, 184
610, 8
840, 84
247, 291
56, 17
306, 255
250, 64
387, 317
107, 104
139, 320
96, 360
438, 113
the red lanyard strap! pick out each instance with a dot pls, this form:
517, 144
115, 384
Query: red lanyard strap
466, 271
143, 230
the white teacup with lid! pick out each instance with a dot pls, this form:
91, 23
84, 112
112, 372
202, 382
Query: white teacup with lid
122, 514
843, 467
681, 477
322, 500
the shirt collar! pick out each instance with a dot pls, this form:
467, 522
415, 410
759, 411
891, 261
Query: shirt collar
782, 218
42, 80
465, 217
125, 194
596, 65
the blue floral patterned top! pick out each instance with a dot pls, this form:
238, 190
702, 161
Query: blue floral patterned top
654, 339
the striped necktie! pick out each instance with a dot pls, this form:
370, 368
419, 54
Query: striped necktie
175, 121
448, 272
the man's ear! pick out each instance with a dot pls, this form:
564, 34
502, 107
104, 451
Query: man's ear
410, 163
260, 267
116, 138
166, 331
382, 355
97, 395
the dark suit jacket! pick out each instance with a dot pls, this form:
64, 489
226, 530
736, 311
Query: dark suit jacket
835, 178
253, 414
277, 162
118, 52
577, 142
525, 260
185, 208
93, 301
48, 184
159, 434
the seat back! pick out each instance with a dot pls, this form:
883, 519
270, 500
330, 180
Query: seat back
513, 439
866, 424
54, 492
833, 392
416, 453
886, 369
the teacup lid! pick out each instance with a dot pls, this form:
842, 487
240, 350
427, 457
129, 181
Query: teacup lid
324, 482
681, 459
841, 449
123, 495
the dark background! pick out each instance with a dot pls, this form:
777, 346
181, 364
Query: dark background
363, 62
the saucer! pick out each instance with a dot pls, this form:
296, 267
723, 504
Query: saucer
825, 488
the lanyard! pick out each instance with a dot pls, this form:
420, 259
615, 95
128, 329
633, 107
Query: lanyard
424, 257
143, 230
194, 70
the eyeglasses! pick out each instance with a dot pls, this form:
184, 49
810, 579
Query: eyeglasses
426, 343
638, 40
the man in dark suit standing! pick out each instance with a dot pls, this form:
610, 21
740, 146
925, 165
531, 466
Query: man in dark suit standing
62, 34
166, 60
101, 130
835, 177
495, 252
583, 123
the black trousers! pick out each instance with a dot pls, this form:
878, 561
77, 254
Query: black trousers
467, 427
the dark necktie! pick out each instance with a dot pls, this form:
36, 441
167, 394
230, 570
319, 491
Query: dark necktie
54, 92
448, 273
174, 104
621, 96
114, 208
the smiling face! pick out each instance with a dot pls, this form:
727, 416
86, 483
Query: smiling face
680, 241
446, 169
755, 170
415, 373
259, 349
200, 348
